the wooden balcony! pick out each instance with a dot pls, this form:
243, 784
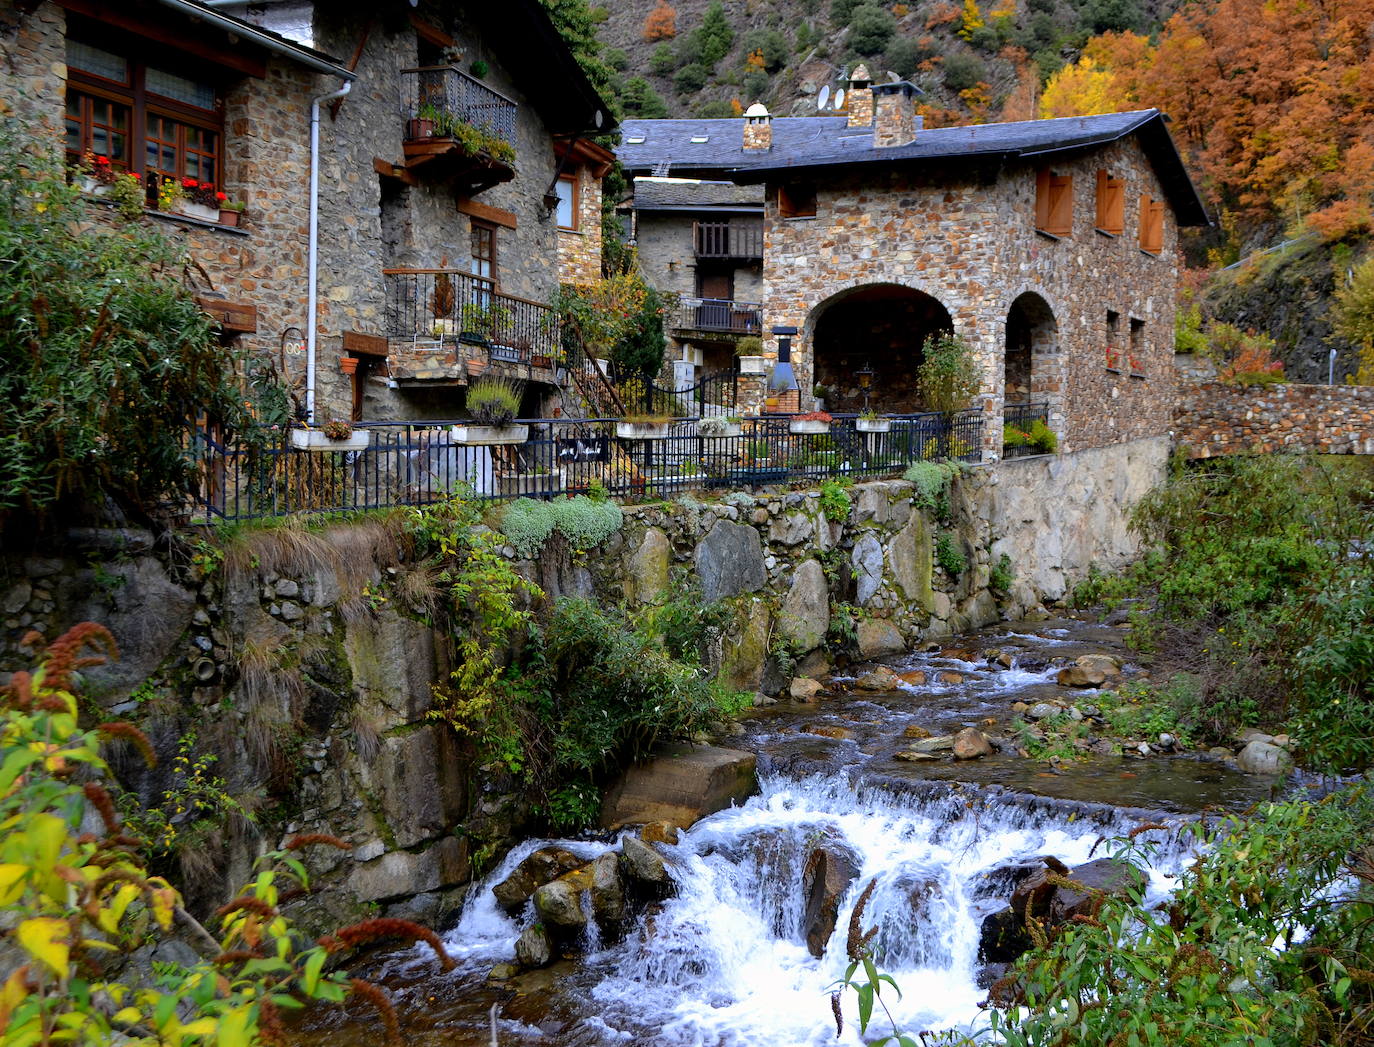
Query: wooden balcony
457, 127
742, 241
718, 316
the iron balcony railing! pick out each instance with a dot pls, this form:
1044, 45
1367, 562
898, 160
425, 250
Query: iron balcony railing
719, 314
449, 304
1017, 420
410, 463
743, 240
441, 94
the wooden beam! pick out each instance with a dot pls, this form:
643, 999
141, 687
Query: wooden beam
487, 213
427, 32
337, 104
365, 344
231, 316
158, 30
397, 171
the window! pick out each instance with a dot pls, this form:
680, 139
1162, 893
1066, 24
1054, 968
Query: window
1151, 225
1135, 355
567, 202
1111, 204
797, 201
144, 117
1113, 340
483, 263
1054, 203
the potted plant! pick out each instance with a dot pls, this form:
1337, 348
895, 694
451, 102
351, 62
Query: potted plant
170, 195
423, 123
814, 422
821, 393
474, 322
493, 404
200, 200
332, 436
716, 427
869, 421
128, 195
643, 427
230, 211
749, 349
97, 174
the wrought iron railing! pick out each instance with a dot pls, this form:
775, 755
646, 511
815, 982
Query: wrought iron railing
440, 94
410, 463
1017, 421
449, 304
719, 314
728, 239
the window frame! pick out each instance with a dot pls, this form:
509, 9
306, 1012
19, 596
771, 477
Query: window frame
1111, 203
574, 203
1136, 348
1054, 204
476, 226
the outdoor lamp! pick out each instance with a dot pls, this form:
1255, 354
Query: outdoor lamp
865, 377
781, 379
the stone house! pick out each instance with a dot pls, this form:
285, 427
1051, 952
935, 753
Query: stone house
409, 236
1051, 246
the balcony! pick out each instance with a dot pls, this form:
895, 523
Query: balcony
718, 315
446, 325
742, 241
458, 127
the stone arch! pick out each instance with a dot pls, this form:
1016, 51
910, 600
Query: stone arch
1032, 362
881, 326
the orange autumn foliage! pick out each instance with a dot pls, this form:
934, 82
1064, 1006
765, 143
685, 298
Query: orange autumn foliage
661, 23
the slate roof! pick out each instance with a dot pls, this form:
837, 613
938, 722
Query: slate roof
676, 194
815, 145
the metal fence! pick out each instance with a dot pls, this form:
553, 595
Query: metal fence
437, 305
415, 463
1018, 419
718, 314
440, 94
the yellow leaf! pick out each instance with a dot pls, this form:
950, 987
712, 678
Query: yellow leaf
164, 904
112, 913
11, 994
42, 939
11, 882
233, 1028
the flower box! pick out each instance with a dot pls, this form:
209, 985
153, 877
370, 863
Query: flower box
873, 425
541, 361
724, 432
514, 484
315, 440
807, 426
642, 430
753, 365
489, 435
204, 212
419, 127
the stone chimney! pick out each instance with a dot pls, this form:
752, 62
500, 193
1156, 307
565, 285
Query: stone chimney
859, 100
758, 127
894, 114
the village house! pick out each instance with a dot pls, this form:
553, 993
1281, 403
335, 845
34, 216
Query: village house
1051, 246
409, 210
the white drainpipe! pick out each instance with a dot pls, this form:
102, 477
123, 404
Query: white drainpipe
314, 248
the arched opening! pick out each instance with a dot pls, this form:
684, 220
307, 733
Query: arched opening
878, 328
1031, 367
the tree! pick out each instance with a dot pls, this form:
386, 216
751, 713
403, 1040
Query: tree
770, 45
970, 20
576, 23
948, 374
716, 35
1355, 316
963, 71
640, 99
661, 24
690, 78
870, 29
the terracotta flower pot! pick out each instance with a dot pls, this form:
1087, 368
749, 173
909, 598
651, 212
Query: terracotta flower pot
227, 216
348, 364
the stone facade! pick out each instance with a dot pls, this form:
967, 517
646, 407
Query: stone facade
969, 241
579, 249
1216, 418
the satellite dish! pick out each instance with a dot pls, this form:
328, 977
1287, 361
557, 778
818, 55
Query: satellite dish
839, 98
823, 97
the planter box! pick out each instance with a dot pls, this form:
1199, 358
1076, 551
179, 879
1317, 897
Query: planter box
545, 362
637, 431
418, 127
204, 212
315, 440
873, 425
753, 365
506, 353
730, 429
807, 427
512, 485
489, 435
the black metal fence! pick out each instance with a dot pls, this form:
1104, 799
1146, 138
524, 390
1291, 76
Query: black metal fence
437, 305
414, 463
440, 95
1017, 423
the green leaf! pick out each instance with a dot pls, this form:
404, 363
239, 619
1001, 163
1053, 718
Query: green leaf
865, 1006
313, 966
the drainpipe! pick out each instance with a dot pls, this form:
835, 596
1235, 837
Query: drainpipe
313, 261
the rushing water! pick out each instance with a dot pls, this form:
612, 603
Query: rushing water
724, 961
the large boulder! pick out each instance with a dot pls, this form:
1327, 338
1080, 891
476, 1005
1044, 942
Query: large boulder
877, 637
1261, 757
646, 570
867, 559
805, 615
970, 744
643, 864
559, 904
827, 875
541, 867
534, 947
608, 892
729, 560
682, 787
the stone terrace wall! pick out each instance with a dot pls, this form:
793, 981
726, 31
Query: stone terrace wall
1214, 418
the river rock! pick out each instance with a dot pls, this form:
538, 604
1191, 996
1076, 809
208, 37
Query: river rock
643, 864
914, 677
877, 637
970, 744
826, 730
914, 757
1107, 664
915, 731
541, 867
944, 743
867, 560
559, 904
909, 557
957, 654
1043, 711
646, 572
803, 690
826, 877
608, 892
534, 948
805, 615
659, 832
1106, 875
880, 678
682, 786
1264, 758
1002, 937
1079, 676
729, 561
950, 678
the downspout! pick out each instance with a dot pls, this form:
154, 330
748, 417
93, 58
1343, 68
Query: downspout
313, 260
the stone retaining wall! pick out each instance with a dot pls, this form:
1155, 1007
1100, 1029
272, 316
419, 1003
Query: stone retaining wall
1215, 418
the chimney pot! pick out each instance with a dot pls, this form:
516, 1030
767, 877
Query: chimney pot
859, 100
758, 127
894, 114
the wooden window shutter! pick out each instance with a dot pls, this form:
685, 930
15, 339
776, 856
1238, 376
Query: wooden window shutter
1151, 225
1042, 200
1111, 204
1054, 203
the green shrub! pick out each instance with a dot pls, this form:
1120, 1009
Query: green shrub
948, 375
835, 500
690, 78
1042, 437
962, 71
769, 43
585, 522
949, 555
932, 482
870, 28
1001, 576
494, 401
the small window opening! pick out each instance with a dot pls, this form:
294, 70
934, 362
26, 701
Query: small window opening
797, 201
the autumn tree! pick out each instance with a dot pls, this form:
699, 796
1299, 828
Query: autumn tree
661, 24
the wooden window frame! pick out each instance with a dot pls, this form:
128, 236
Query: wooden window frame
478, 226
1151, 225
797, 200
1111, 204
574, 202
1053, 203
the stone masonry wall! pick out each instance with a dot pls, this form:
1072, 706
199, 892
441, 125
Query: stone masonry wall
34, 67
973, 246
579, 250
1215, 418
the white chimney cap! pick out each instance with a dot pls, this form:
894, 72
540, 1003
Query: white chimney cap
757, 111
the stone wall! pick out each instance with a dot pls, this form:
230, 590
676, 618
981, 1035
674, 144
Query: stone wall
34, 67
1214, 418
579, 250
969, 242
